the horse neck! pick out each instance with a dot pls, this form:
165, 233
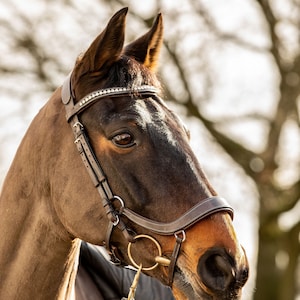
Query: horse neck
37, 257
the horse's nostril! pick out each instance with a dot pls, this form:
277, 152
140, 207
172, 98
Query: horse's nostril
216, 270
243, 277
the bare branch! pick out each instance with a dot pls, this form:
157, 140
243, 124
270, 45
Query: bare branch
223, 36
238, 152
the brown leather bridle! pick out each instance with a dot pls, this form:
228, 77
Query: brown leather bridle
114, 212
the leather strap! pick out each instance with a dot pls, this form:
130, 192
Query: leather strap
140, 91
195, 214
179, 240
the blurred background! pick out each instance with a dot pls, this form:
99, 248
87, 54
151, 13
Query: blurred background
230, 69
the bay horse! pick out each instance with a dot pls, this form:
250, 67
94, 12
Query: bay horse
135, 185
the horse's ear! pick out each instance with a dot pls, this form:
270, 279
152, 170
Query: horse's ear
146, 49
106, 48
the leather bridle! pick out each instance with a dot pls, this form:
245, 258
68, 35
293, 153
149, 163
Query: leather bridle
114, 212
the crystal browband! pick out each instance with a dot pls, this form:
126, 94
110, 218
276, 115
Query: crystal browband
144, 90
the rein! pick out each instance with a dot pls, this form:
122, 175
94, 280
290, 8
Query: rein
177, 228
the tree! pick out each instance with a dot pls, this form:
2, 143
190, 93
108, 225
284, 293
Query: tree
37, 47
279, 248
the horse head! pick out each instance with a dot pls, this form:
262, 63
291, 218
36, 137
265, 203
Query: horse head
154, 196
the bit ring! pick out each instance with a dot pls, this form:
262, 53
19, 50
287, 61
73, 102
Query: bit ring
140, 236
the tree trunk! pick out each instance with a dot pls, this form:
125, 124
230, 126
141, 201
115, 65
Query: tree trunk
289, 280
268, 277
277, 263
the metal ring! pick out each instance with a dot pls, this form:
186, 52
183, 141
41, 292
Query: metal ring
120, 200
182, 232
78, 124
156, 244
115, 223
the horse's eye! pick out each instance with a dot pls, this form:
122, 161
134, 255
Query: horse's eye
124, 140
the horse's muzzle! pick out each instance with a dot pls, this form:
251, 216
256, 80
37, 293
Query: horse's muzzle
222, 274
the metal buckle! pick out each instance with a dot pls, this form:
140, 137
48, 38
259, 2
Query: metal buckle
115, 223
78, 124
182, 233
118, 211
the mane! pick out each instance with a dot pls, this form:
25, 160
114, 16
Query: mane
127, 72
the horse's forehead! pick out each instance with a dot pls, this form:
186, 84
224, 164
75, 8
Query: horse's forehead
142, 110
154, 115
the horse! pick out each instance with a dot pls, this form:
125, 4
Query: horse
107, 162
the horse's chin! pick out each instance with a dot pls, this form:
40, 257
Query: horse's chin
184, 288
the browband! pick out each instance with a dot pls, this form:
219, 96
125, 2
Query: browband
143, 90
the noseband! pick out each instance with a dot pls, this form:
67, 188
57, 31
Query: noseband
114, 212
